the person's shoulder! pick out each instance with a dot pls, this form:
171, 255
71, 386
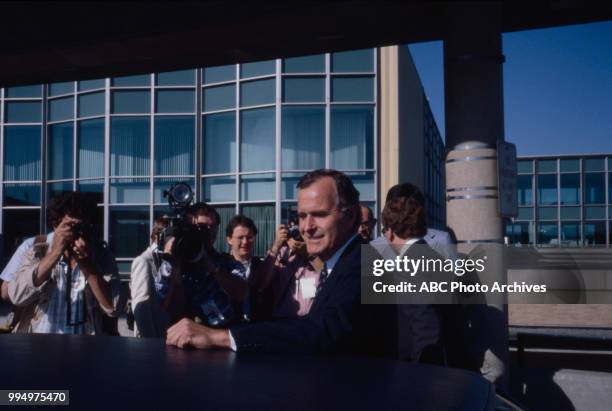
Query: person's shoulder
438, 236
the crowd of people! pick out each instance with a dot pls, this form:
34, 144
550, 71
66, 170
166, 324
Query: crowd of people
303, 296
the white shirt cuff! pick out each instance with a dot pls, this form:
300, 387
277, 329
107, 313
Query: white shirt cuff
232, 341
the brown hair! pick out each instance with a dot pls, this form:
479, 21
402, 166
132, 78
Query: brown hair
405, 216
240, 220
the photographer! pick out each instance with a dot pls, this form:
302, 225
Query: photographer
64, 287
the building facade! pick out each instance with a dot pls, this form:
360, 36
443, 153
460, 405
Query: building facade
241, 135
564, 201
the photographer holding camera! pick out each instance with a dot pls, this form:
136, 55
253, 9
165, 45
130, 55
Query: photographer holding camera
65, 286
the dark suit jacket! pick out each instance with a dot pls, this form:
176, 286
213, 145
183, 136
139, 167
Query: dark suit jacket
330, 324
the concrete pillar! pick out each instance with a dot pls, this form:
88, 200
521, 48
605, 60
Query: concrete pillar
474, 123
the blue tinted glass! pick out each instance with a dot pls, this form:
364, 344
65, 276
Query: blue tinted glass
303, 89
23, 91
17, 226
129, 190
352, 89
130, 146
356, 61
176, 78
175, 101
219, 189
61, 109
91, 84
352, 137
21, 195
91, 148
547, 213
257, 136
525, 166
570, 213
57, 89
163, 184
219, 143
289, 186
91, 104
547, 166
305, 64
547, 234
593, 164
219, 98
255, 187
23, 112
303, 138
595, 213
55, 189
219, 74
131, 102
570, 188
364, 183
260, 68
525, 213
132, 81
94, 187
60, 141
128, 231
594, 233
570, 234
22, 153
547, 189
254, 93
524, 188
594, 188
569, 165
174, 145
263, 215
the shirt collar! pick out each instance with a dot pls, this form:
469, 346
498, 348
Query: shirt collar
334, 258
409, 244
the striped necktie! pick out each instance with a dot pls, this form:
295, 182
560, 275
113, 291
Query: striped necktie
322, 277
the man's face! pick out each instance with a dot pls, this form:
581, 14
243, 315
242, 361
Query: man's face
241, 242
209, 221
367, 224
323, 226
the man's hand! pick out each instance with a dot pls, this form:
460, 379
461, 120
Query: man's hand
81, 251
187, 333
297, 247
63, 235
282, 234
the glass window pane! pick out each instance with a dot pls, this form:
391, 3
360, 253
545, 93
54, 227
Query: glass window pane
219, 74
289, 185
129, 190
18, 225
23, 112
92, 84
257, 136
175, 101
593, 164
21, 195
520, 233
547, 166
594, 188
571, 164
91, 104
259, 68
594, 213
304, 64
525, 190
303, 138
570, 188
570, 213
570, 234
22, 153
253, 93
547, 189
594, 233
132, 81
547, 213
60, 156
130, 151
364, 183
263, 217
352, 137
174, 145
547, 234
219, 189
162, 184
225, 215
93, 187
525, 213
126, 102
256, 187
353, 61
303, 89
56, 89
525, 166
23, 91
91, 148
55, 189
219, 98
352, 89
176, 78
128, 231
219, 143
61, 109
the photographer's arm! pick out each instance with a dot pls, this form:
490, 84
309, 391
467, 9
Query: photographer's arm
261, 278
100, 288
61, 238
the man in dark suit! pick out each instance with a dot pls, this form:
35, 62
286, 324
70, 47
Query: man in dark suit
329, 215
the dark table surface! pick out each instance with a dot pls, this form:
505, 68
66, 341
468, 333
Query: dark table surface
127, 373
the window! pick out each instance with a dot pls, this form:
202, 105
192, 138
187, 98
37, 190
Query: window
128, 231
175, 101
263, 217
352, 89
254, 93
219, 98
594, 188
219, 143
219, 74
352, 141
525, 190
303, 138
130, 150
257, 135
303, 89
547, 234
259, 68
91, 148
547, 189
22, 153
59, 156
570, 188
353, 61
174, 145
304, 64
91, 104
23, 112
176, 78
128, 102
141, 80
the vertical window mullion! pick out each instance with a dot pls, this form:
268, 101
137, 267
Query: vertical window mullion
43, 160
327, 109
107, 119
238, 142
151, 150
278, 137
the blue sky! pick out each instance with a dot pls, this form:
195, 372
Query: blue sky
557, 88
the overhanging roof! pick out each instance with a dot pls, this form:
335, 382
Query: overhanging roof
61, 41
